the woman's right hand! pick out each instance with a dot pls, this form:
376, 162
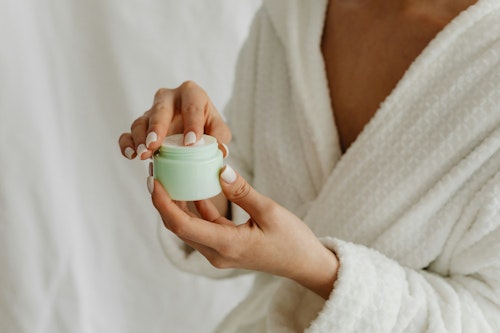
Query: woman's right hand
186, 109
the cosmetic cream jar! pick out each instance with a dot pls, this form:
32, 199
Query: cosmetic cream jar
189, 173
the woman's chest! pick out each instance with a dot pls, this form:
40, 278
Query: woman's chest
365, 57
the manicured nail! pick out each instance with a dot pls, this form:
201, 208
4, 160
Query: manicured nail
228, 175
225, 150
141, 150
189, 138
129, 152
151, 169
152, 137
151, 184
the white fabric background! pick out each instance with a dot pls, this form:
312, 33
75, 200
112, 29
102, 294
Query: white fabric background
78, 244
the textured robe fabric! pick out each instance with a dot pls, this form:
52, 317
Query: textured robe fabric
412, 209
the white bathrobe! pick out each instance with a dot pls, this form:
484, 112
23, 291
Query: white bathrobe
412, 209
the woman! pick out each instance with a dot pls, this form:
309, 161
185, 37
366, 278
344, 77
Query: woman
374, 126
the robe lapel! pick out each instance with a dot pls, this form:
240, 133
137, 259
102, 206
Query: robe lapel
390, 176
311, 99
396, 162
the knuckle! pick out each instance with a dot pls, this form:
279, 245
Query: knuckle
194, 89
138, 122
160, 93
158, 107
123, 137
177, 229
189, 84
191, 108
241, 191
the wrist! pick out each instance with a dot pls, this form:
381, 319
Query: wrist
320, 273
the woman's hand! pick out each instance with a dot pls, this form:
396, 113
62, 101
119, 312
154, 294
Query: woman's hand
273, 240
186, 109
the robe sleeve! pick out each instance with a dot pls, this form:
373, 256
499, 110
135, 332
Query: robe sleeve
374, 293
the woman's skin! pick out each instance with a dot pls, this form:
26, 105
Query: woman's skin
367, 46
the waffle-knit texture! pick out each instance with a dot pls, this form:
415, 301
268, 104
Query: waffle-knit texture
412, 209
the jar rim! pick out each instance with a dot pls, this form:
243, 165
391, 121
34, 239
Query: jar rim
175, 143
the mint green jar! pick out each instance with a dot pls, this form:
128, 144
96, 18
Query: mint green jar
189, 173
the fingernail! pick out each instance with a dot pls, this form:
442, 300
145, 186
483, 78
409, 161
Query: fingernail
129, 152
152, 137
141, 150
189, 138
228, 175
225, 151
151, 169
151, 184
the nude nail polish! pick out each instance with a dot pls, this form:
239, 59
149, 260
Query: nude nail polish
152, 137
129, 152
151, 184
189, 138
141, 149
228, 175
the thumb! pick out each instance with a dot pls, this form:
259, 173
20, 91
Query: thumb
237, 190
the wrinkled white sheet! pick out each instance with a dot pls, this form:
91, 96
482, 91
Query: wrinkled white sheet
78, 245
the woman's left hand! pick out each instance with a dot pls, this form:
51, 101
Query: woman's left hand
273, 240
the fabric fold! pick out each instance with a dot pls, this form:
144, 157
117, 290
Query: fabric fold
411, 209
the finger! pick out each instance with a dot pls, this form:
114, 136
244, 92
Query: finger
160, 118
224, 149
185, 226
212, 255
194, 103
216, 126
208, 211
182, 205
139, 128
176, 125
237, 190
127, 146
186, 207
